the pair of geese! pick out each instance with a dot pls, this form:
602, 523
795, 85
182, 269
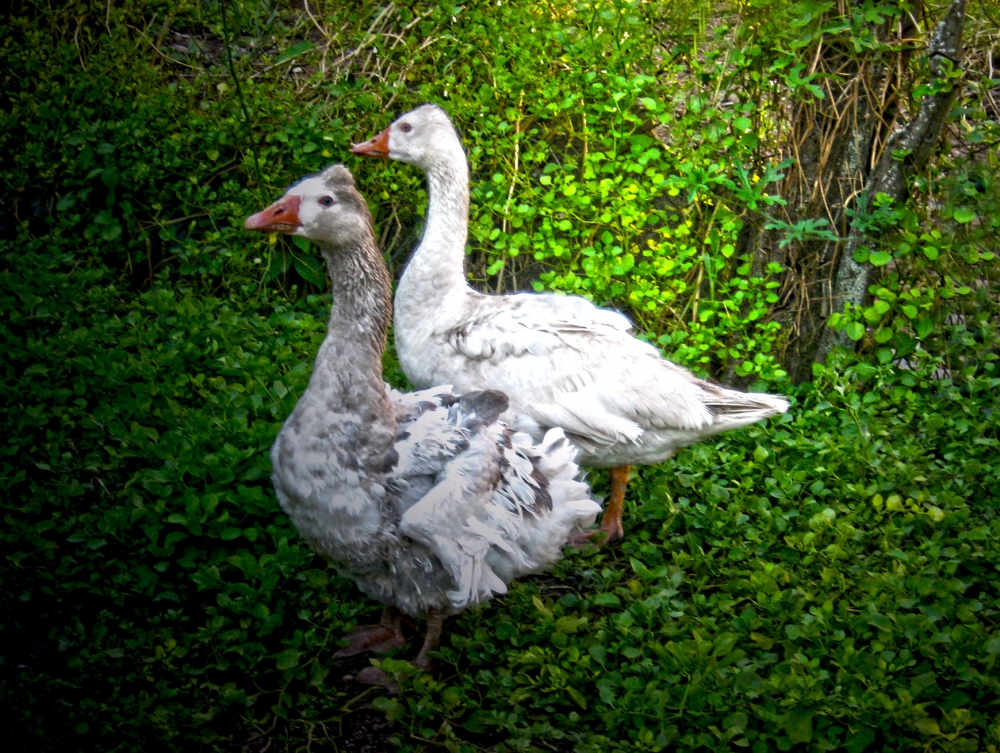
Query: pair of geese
435, 500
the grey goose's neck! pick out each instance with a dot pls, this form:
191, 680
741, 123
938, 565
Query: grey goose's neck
362, 293
347, 376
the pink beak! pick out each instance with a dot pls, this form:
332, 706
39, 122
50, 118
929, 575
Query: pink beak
281, 217
376, 147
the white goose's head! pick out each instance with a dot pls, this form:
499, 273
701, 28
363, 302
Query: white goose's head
424, 137
325, 208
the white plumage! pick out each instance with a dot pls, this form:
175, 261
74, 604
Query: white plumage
562, 361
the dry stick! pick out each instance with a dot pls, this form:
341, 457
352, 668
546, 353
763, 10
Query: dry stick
327, 36
402, 77
181, 63
163, 31
76, 41
330, 39
697, 295
513, 179
718, 84
418, 17
822, 163
320, 29
423, 46
816, 58
368, 34
364, 65
164, 223
375, 31
853, 102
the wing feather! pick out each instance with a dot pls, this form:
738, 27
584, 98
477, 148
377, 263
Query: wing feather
581, 365
478, 495
529, 324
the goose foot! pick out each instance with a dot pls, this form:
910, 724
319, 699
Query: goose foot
381, 638
611, 524
375, 676
608, 532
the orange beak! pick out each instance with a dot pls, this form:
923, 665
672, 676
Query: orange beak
281, 217
376, 147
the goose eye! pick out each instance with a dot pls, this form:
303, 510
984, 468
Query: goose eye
406, 128
326, 201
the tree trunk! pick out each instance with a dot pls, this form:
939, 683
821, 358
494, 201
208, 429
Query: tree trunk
843, 145
834, 140
906, 152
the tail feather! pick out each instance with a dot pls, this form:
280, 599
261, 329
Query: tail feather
732, 409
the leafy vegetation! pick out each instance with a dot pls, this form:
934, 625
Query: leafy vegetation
827, 581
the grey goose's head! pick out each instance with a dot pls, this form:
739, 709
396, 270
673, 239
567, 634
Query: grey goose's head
325, 208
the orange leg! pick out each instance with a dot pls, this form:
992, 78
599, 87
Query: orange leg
612, 520
611, 523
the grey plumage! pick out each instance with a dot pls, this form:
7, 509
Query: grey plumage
425, 500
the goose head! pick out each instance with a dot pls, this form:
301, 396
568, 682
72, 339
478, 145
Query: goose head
423, 137
325, 208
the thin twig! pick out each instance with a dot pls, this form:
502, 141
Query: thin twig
513, 178
239, 94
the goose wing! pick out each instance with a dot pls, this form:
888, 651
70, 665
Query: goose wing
466, 487
524, 323
577, 366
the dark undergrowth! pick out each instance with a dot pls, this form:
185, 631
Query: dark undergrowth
829, 580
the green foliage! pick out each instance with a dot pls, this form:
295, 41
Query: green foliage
806, 583
149, 554
826, 581
617, 216
941, 264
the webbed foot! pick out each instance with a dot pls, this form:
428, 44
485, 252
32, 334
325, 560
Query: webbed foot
375, 676
611, 524
381, 638
609, 531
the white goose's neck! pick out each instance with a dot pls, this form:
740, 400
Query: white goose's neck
437, 268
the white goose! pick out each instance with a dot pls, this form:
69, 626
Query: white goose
426, 500
562, 361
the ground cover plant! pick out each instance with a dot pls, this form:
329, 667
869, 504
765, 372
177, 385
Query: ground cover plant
826, 581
